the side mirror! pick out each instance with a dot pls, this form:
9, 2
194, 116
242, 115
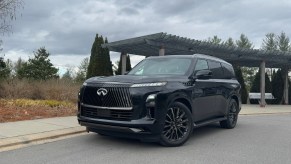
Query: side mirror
203, 74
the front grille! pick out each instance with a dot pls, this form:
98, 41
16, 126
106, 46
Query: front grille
117, 96
106, 113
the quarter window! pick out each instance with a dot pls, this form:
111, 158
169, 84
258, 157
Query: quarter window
228, 71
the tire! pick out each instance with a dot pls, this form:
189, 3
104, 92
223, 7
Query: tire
178, 125
232, 116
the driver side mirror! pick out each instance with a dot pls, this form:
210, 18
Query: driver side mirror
203, 74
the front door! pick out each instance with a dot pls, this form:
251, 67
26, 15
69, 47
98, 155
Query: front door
203, 95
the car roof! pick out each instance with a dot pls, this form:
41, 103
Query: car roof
201, 56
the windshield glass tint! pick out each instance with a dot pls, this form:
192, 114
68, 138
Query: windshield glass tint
162, 66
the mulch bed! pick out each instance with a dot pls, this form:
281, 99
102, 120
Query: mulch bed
16, 113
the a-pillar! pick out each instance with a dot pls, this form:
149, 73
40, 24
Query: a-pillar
262, 84
162, 51
286, 87
123, 63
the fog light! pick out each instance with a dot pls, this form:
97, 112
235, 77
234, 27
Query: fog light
151, 97
150, 101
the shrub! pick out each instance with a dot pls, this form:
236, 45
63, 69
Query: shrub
54, 89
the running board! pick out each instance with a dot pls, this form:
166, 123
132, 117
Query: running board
203, 123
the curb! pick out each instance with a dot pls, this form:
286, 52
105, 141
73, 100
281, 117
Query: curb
27, 139
250, 114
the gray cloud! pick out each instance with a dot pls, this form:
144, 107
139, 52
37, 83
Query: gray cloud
67, 28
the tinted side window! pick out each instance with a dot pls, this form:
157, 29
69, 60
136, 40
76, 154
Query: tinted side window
217, 71
201, 64
228, 71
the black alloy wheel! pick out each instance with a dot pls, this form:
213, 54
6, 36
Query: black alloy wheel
178, 125
232, 116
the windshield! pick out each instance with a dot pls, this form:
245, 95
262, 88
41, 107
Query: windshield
162, 66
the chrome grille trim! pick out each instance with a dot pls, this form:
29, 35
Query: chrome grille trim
109, 108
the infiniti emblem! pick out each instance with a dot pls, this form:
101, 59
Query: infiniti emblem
102, 92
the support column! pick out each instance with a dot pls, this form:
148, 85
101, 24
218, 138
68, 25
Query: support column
262, 84
162, 51
123, 63
286, 87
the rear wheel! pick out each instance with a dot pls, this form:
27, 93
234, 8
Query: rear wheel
178, 125
232, 115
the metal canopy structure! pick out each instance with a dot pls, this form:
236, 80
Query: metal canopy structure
150, 45
160, 44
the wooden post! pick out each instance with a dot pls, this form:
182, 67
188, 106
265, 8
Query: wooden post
262, 84
286, 87
162, 51
123, 63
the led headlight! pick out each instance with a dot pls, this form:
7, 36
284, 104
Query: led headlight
158, 84
84, 84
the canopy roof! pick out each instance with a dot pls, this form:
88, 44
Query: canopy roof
150, 45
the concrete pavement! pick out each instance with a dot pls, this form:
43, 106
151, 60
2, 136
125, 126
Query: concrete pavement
269, 109
24, 132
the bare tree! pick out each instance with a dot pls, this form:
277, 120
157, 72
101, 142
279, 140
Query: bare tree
8, 13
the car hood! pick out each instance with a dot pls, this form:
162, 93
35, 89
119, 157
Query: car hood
136, 79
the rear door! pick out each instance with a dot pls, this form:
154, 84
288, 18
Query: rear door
218, 84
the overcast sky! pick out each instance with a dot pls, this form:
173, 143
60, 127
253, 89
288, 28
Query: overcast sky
67, 27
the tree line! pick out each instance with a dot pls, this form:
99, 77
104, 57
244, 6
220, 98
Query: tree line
249, 77
99, 64
39, 67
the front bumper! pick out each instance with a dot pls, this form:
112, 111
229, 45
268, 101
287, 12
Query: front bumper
144, 129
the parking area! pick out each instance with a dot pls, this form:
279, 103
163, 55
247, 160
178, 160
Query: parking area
256, 139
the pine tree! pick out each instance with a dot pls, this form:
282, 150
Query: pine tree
229, 42
243, 91
214, 40
108, 71
99, 64
39, 67
270, 43
5, 69
283, 42
278, 86
244, 42
128, 64
256, 83
241, 74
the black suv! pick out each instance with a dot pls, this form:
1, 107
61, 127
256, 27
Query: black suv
162, 99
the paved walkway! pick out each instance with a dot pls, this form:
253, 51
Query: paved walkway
269, 109
23, 132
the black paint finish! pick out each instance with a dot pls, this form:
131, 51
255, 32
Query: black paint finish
207, 99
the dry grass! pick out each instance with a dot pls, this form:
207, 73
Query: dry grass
26, 100
60, 90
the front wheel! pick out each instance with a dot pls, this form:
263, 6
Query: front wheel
178, 125
232, 115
